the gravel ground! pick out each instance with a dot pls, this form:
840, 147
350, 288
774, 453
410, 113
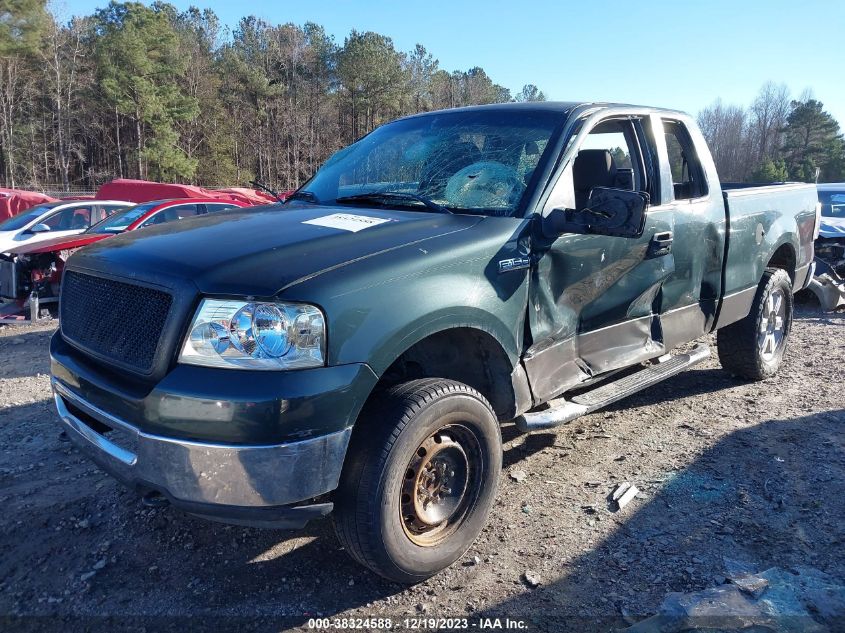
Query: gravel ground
727, 470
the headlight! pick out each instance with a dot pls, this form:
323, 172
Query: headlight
255, 335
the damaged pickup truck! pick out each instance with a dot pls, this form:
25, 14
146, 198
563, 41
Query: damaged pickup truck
449, 272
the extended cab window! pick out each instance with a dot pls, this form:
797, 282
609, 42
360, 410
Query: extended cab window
687, 174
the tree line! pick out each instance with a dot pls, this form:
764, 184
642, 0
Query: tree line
776, 138
151, 92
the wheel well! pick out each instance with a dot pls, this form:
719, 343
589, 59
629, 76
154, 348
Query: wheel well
784, 257
467, 355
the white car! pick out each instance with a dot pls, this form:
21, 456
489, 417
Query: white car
55, 219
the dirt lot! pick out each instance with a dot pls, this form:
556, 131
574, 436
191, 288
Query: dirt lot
743, 472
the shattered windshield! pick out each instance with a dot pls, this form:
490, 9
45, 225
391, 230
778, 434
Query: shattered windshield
464, 162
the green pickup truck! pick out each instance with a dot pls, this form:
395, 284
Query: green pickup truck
355, 350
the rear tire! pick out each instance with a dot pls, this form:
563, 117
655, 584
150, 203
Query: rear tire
753, 348
419, 480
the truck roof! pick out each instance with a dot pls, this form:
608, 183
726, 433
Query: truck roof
562, 107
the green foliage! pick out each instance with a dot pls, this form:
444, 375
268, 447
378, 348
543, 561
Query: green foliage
530, 92
140, 72
372, 76
151, 91
21, 25
771, 171
167, 161
812, 141
775, 139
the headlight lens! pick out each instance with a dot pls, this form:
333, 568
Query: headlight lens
255, 335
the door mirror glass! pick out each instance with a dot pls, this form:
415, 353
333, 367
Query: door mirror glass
609, 211
39, 228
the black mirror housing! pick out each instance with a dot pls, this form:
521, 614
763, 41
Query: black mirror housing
614, 212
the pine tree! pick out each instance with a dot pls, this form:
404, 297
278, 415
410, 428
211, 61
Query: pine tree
21, 25
771, 171
140, 70
812, 141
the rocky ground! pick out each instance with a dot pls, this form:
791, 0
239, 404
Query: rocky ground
730, 473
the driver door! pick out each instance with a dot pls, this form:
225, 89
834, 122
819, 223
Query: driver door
595, 299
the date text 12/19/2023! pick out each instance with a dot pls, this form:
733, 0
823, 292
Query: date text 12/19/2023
417, 624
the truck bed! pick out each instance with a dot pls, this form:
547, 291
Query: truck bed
759, 217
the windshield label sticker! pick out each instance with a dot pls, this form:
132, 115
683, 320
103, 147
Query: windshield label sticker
347, 222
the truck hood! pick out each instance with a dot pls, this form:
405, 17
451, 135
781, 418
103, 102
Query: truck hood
260, 251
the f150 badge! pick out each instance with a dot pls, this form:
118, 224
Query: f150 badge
514, 263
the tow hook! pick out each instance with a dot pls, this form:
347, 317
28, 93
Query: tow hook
155, 499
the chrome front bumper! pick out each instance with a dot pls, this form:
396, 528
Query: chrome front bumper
253, 485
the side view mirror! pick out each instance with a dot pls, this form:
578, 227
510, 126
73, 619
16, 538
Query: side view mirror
614, 212
39, 228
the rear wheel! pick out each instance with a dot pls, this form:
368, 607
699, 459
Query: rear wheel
420, 478
753, 348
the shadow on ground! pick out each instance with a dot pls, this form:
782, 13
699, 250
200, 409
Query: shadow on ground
765, 496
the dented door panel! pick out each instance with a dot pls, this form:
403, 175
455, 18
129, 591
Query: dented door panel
594, 306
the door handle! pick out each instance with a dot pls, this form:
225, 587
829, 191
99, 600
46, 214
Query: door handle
660, 244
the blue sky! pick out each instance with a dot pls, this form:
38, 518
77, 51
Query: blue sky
678, 54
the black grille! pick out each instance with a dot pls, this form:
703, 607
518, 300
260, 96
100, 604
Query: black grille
115, 320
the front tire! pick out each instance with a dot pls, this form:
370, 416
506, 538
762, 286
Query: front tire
753, 348
420, 478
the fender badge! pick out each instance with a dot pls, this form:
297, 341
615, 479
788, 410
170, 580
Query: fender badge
515, 263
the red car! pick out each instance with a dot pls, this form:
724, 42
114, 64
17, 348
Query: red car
36, 271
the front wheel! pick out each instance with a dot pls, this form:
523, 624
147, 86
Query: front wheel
753, 348
420, 478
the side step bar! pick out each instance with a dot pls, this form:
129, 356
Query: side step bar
562, 411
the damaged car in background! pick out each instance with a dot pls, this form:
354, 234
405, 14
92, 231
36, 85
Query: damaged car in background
828, 284
31, 273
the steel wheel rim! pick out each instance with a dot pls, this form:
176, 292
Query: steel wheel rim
772, 330
440, 485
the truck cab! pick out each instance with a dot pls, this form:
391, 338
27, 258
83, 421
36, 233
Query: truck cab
355, 351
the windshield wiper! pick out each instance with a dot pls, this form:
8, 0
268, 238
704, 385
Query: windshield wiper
263, 187
394, 195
